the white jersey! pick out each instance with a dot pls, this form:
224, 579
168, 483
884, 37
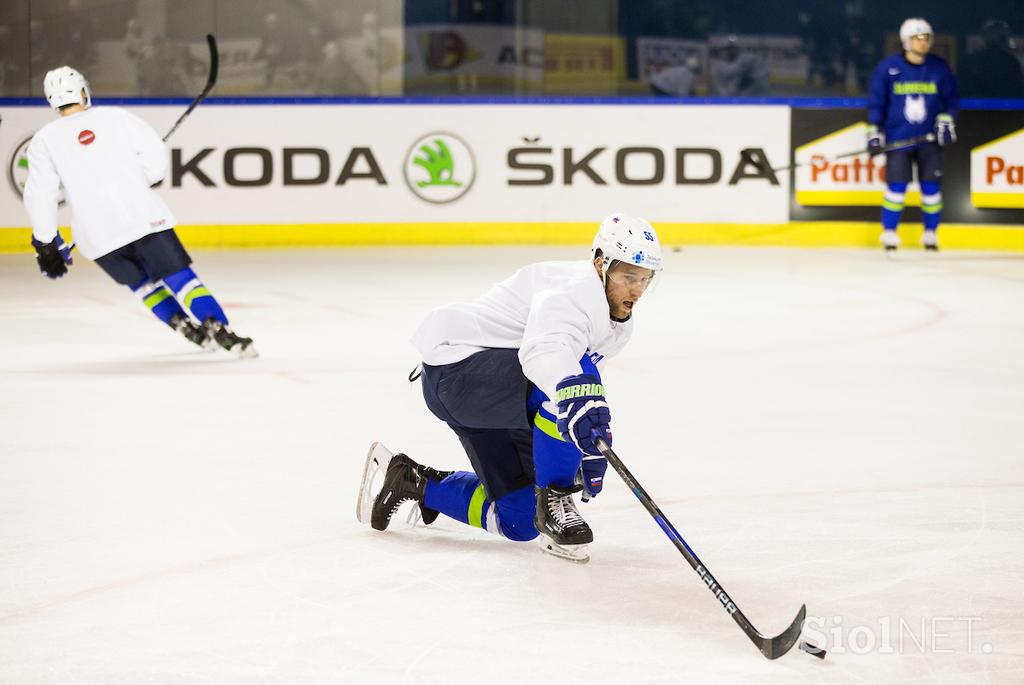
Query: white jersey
106, 158
677, 80
552, 312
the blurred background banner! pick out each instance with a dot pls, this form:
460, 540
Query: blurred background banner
520, 47
983, 174
442, 163
611, 104
687, 58
997, 172
583, 64
471, 57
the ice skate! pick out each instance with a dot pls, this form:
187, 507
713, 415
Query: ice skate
890, 240
229, 340
930, 241
388, 481
563, 532
192, 332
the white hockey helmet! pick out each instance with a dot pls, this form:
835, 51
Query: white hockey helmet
64, 86
914, 26
625, 238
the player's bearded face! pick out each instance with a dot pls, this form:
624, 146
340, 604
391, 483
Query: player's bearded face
624, 285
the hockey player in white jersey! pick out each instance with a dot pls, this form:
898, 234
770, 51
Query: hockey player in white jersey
515, 374
106, 159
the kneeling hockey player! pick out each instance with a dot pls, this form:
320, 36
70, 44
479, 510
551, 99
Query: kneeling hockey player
515, 375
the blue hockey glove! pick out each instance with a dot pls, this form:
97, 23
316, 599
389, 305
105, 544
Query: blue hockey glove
582, 412
876, 141
53, 257
592, 473
945, 130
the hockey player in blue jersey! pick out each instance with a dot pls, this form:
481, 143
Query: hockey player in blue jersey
912, 95
515, 375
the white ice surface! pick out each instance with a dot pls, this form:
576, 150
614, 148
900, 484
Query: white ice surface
828, 426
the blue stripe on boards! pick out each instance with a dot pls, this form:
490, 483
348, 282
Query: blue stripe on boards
795, 102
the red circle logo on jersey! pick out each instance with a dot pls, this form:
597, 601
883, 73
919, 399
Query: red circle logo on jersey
86, 137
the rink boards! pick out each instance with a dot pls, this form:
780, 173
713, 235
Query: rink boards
419, 173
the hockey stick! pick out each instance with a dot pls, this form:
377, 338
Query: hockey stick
211, 81
771, 647
747, 153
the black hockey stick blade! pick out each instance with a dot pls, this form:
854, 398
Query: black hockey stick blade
211, 81
751, 156
774, 647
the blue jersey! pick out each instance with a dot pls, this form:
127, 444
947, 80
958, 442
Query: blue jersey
905, 98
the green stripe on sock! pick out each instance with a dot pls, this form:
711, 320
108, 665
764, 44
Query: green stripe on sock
931, 209
476, 507
155, 298
548, 426
892, 206
198, 291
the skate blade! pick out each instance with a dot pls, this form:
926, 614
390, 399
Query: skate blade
577, 553
248, 352
377, 460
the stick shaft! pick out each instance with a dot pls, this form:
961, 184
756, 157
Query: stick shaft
891, 147
211, 81
770, 647
691, 557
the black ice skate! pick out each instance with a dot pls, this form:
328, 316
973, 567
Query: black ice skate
427, 514
229, 340
192, 332
403, 480
563, 532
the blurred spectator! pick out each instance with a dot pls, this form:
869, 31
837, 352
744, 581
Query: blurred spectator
13, 64
738, 73
994, 71
162, 70
337, 77
135, 44
362, 52
858, 53
824, 68
135, 40
41, 58
676, 80
310, 54
73, 36
271, 47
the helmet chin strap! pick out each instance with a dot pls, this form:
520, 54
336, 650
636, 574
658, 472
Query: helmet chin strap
606, 264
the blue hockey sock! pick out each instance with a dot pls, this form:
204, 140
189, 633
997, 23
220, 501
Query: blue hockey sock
931, 204
159, 300
194, 295
555, 460
892, 205
459, 496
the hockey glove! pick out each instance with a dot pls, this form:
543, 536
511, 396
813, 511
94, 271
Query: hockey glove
592, 473
945, 130
876, 141
53, 257
582, 412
